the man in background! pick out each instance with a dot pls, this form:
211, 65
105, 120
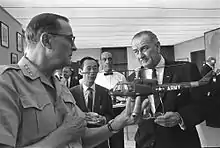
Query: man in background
67, 77
92, 98
208, 66
108, 78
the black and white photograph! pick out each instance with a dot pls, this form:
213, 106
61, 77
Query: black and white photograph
19, 42
110, 74
4, 35
14, 58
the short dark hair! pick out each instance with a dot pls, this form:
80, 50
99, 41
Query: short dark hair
152, 36
81, 63
45, 22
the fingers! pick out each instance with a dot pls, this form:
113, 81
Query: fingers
137, 107
167, 120
145, 105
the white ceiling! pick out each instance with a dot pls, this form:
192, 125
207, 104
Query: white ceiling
102, 23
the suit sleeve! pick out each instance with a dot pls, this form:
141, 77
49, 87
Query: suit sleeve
108, 113
194, 112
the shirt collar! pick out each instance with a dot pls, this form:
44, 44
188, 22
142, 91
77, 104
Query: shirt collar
31, 71
28, 69
86, 87
210, 65
161, 64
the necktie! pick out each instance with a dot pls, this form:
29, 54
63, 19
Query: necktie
90, 99
154, 74
156, 95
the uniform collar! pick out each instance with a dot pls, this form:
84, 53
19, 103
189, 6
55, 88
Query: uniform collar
28, 69
31, 71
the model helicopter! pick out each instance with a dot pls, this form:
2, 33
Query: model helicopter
146, 87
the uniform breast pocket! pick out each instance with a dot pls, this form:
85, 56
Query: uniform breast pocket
38, 117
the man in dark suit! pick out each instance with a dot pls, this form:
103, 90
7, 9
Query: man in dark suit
208, 66
182, 110
101, 102
67, 77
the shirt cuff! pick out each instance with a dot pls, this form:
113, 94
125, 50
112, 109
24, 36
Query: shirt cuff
181, 123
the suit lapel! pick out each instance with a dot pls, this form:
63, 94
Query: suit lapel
82, 101
96, 106
167, 78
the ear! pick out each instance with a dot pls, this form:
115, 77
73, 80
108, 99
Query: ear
158, 46
80, 71
46, 40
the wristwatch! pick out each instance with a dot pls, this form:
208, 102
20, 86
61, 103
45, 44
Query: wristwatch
109, 125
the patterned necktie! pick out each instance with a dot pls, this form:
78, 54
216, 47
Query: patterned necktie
156, 95
90, 99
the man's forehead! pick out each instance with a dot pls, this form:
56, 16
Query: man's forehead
90, 63
140, 41
106, 55
65, 28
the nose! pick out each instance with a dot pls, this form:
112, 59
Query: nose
140, 55
73, 47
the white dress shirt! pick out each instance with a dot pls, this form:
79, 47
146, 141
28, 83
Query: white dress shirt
109, 81
159, 71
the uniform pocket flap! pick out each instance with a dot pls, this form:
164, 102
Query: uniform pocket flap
38, 102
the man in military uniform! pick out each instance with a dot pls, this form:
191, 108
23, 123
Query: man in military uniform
35, 110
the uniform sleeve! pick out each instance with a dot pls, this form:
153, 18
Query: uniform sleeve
9, 115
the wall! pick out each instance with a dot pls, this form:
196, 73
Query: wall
132, 61
182, 50
209, 136
14, 26
80, 53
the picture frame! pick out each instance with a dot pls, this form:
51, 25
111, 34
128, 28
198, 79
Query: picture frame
4, 35
183, 59
19, 42
14, 58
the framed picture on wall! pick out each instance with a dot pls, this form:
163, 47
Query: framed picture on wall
14, 58
19, 42
183, 59
4, 35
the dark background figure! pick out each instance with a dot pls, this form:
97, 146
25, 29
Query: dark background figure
102, 103
208, 66
68, 78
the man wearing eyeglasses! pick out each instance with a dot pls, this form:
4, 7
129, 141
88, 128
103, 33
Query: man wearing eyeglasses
182, 110
36, 111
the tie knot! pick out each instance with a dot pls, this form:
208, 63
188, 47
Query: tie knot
89, 89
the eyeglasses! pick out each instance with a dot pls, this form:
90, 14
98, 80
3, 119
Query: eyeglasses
70, 38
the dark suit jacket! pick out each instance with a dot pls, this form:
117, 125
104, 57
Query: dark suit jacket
184, 102
205, 69
73, 82
102, 105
